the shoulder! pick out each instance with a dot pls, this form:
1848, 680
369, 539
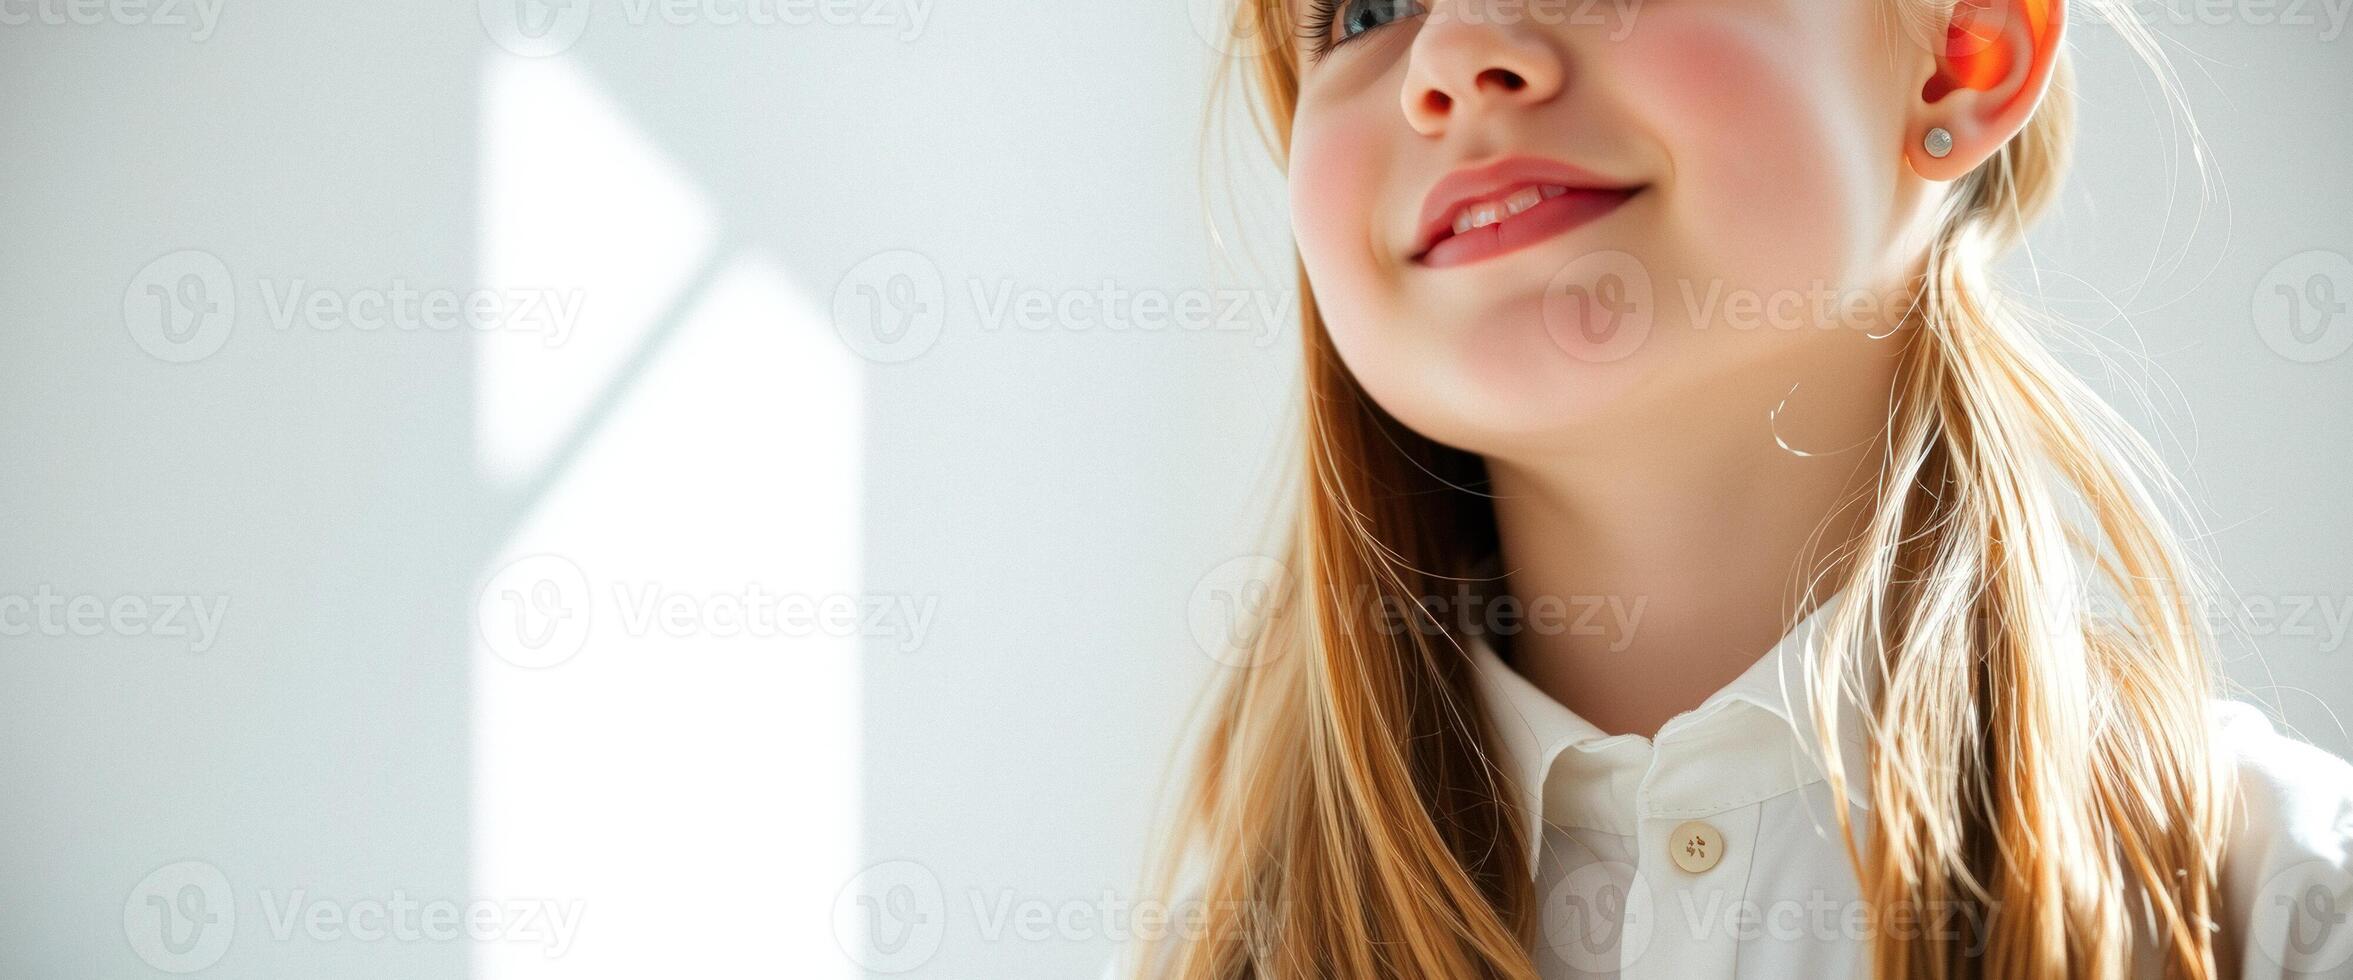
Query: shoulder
2287, 868
2297, 795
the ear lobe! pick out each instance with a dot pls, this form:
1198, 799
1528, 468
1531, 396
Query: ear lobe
1992, 73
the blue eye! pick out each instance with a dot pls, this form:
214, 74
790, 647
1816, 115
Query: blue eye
1364, 15
1336, 22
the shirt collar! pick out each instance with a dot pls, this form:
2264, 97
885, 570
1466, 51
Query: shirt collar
1741, 745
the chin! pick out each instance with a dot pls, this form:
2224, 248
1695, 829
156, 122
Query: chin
1502, 386
1507, 359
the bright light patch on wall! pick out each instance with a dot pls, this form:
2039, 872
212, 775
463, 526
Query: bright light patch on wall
588, 236
665, 720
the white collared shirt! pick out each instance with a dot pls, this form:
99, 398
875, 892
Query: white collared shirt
1711, 850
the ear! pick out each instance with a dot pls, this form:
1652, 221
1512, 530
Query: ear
1986, 82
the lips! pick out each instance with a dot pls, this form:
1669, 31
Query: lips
1507, 205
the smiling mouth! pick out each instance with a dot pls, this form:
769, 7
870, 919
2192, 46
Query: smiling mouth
1514, 219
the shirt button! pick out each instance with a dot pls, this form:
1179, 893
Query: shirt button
1695, 846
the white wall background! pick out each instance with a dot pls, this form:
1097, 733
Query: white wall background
434, 689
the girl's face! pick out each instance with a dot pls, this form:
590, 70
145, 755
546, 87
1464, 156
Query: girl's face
1688, 191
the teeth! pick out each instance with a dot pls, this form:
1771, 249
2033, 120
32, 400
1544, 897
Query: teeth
1485, 213
1477, 216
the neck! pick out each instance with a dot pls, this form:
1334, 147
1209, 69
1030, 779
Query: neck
1681, 551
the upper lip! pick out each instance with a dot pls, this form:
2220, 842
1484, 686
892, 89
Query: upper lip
1494, 180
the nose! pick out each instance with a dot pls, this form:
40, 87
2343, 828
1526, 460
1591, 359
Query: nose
1472, 57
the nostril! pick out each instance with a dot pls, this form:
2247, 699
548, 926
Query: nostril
1437, 101
1508, 80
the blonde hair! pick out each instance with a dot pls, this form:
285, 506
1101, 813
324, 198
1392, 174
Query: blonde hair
2043, 767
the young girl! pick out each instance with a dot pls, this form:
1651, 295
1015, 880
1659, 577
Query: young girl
1700, 570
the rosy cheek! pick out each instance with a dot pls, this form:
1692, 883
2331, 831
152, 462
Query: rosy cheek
1337, 162
1721, 94
1325, 198
1752, 114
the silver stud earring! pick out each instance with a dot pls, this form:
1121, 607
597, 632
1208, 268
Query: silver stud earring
1938, 142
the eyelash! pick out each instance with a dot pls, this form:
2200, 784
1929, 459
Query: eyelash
1320, 21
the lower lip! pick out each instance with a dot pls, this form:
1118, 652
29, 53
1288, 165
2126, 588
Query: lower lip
1550, 217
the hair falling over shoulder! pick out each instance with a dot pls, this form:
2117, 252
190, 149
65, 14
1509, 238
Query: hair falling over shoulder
2042, 767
